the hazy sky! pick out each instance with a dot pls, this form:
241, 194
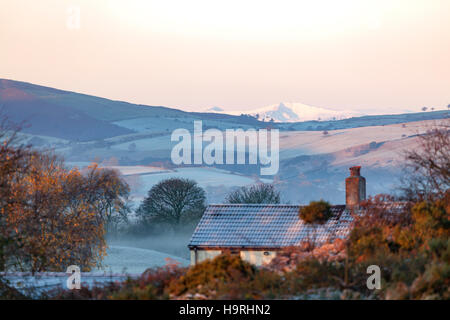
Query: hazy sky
237, 54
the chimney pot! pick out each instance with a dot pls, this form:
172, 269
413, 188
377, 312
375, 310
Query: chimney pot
355, 188
355, 171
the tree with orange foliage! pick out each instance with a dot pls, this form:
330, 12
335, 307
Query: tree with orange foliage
13, 162
52, 217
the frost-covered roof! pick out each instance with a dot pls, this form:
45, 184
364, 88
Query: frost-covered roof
264, 226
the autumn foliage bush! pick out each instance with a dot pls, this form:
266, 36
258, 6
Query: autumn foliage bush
316, 212
225, 277
411, 245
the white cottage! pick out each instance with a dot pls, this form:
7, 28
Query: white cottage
258, 231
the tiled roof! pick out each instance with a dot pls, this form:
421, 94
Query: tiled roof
264, 226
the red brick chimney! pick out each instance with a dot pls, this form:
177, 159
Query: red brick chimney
355, 188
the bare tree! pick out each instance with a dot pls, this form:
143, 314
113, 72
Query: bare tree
428, 167
172, 201
110, 194
258, 193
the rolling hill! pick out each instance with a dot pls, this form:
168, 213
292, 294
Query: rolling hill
314, 155
78, 117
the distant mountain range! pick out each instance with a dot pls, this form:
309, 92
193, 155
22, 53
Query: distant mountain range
293, 112
299, 112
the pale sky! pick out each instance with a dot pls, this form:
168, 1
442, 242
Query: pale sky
236, 54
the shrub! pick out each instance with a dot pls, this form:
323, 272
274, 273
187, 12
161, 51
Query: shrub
258, 193
210, 275
226, 277
316, 212
366, 242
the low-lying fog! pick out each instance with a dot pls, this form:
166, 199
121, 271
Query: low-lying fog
173, 243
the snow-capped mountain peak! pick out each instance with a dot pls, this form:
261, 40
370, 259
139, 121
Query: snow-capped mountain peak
215, 109
295, 112
298, 112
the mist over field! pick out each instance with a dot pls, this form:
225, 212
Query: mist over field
173, 243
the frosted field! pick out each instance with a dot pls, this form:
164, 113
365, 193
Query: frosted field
47, 139
139, 170
388, 154
78, 164
147, 124
147, 144
298, 143
204, 176
153, 124
124, 170
136, 260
